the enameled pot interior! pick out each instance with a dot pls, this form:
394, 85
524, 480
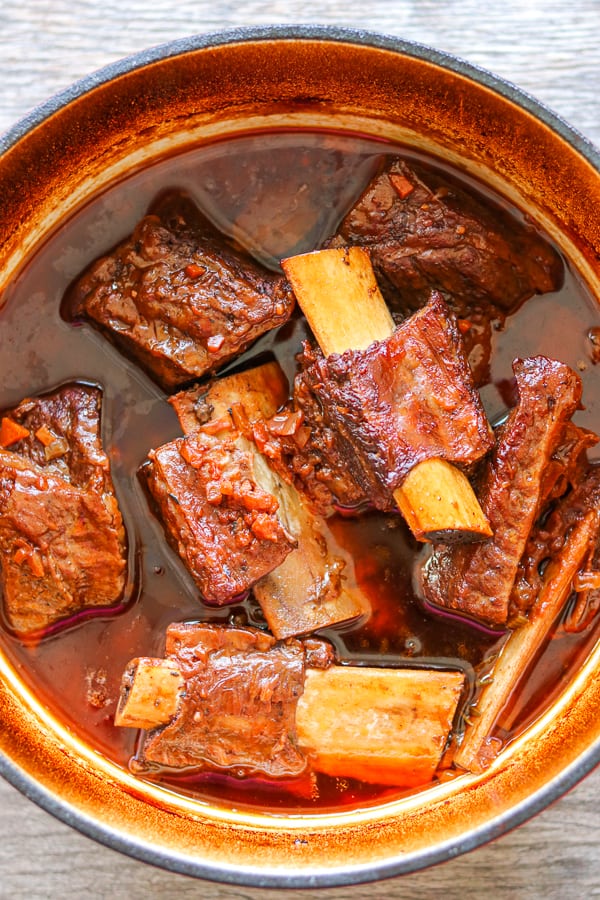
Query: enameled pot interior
171, 99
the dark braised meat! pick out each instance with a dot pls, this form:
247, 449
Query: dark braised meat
423, 231
61, 532
235, 700
369, 416
520, 476
315, 586
224, 527
61, 433
238, 710
306, 452
283, 439
177, 297
547, 541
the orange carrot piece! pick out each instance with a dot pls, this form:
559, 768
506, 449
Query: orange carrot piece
45, 436
11, 432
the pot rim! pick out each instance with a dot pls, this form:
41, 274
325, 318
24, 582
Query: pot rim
334, 33
405, 863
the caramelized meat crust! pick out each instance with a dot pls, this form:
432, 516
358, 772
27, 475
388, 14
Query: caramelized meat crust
478, 579
306, 451
239, 707
424, 232
223, 526
61, 532
177, 297
373, 414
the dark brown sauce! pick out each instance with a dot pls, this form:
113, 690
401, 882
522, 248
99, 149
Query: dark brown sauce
278, 193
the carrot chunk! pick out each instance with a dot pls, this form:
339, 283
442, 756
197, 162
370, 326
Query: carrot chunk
45, 436
11, 432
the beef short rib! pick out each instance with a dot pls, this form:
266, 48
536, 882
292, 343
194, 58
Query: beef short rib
224, 527
239, 708
61, 533
478, 579
177, 297
423, 231
372, 415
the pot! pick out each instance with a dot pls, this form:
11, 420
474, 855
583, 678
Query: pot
167, 100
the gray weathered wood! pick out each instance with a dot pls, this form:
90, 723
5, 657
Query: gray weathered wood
550, 49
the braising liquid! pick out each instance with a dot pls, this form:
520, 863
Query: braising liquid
277, 194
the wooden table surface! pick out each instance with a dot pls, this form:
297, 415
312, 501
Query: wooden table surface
550, 49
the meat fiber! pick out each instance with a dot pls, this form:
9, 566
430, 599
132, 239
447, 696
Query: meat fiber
424, 231
239, 707
548, 537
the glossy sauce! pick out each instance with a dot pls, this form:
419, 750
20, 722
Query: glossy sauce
278, 194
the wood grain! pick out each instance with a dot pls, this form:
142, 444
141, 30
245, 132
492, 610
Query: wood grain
551, 50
